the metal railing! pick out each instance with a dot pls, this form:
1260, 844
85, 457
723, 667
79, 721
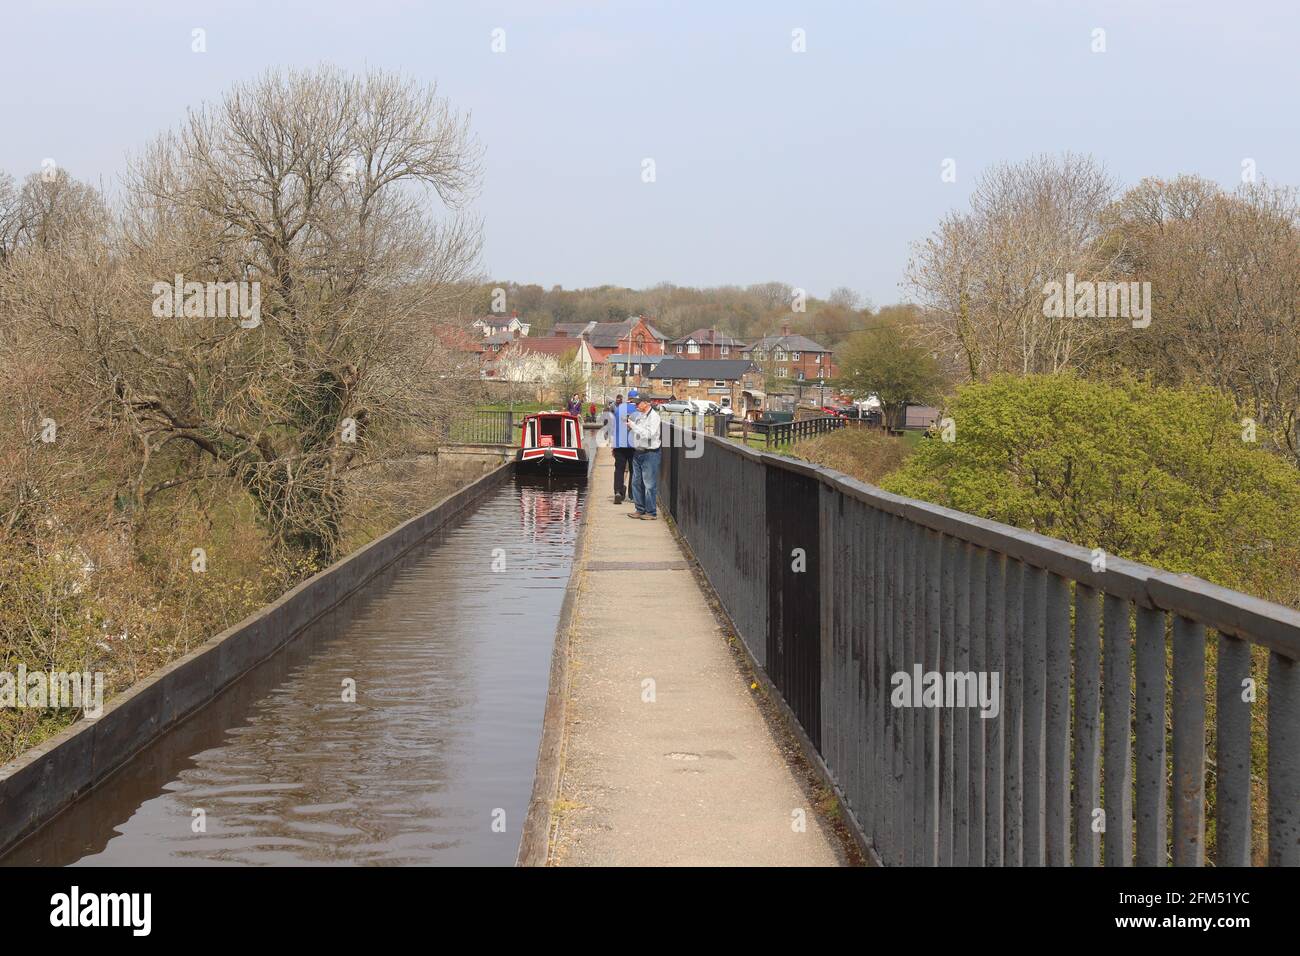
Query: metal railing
784, 434
484, 426
1097, 753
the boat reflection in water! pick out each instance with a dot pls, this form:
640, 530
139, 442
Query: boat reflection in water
550, 508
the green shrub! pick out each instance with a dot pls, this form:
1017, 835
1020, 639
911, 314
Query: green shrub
1156, 475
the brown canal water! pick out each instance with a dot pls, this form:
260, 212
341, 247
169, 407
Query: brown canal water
432, 764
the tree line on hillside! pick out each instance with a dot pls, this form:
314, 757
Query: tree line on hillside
745, 312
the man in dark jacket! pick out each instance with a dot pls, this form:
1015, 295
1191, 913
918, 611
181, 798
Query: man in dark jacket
621, 442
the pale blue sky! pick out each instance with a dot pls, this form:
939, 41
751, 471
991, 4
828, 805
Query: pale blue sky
815, 169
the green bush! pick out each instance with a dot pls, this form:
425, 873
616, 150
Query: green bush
1157, 475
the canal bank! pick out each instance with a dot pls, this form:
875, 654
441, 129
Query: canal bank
661, 752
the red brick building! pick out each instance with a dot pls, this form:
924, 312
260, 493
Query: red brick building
791, 358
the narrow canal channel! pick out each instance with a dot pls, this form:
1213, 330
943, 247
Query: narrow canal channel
450, 659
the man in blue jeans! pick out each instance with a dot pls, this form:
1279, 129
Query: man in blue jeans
621, 442
644, 429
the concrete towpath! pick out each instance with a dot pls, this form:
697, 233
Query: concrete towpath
666, 758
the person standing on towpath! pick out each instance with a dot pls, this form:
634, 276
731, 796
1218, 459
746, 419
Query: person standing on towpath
644, 427
621, 442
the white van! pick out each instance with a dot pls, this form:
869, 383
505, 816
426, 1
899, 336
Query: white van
703, 406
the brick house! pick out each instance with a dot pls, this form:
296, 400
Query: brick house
792, 358
735, 383
636, 342
633, 334
706, 344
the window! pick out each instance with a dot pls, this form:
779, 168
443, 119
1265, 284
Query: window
693, 348
679, 350
666, 382
801, 375
780, 355
636, 369
818, 358
725, 350
794, 356
693, 381
719, 383
782, 372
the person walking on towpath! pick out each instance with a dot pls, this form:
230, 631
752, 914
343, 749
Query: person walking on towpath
621, 442
644, 427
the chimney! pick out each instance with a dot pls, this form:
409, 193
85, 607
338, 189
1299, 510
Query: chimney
514, 314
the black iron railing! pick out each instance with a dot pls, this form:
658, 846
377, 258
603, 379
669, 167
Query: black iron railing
482, 426
844, 594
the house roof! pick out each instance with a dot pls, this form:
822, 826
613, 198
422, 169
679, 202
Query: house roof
459, 339
497, 321
702, 336
633, 357
605, 335
703, 368
791, 343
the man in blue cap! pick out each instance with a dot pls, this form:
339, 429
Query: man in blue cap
621, 442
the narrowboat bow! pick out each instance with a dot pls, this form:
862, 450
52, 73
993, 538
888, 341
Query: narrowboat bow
551, 444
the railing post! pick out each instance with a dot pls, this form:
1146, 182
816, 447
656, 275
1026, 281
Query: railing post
1283, 762
1117, 683
1232, 755
1188, 742
1087, 726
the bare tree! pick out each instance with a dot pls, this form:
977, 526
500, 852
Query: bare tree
980, 278
845, 298
313, 189
1225, 276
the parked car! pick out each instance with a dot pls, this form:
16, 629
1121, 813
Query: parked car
677, 407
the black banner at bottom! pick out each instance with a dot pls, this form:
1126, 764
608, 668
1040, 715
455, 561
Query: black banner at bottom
222, 906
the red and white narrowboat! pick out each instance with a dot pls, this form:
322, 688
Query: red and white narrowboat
551, 444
